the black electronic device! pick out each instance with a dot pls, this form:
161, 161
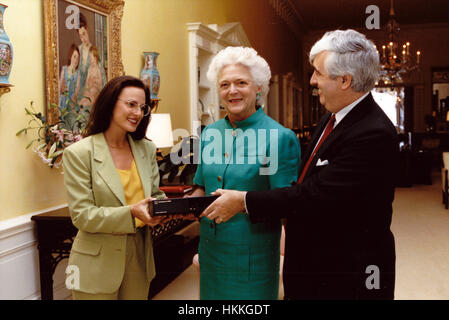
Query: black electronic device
195, 205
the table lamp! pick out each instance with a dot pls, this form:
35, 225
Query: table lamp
160, 131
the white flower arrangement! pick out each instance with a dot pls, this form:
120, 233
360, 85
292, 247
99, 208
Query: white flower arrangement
53, 137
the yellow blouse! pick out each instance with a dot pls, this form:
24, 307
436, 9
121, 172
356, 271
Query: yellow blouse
132, 186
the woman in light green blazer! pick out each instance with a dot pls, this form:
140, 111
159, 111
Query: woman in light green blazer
112, 254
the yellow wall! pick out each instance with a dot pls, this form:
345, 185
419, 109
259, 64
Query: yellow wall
26, 184
160, 25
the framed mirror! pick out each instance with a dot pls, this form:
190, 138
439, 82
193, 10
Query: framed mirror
82, 52
440, 98
391, 101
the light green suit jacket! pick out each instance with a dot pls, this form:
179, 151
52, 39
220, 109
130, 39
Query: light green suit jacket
99, 210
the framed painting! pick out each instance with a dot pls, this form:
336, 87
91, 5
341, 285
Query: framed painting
440, 75
82, 52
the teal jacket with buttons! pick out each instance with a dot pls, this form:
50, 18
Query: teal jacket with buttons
238, 259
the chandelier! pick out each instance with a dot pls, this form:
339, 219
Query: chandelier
395, 59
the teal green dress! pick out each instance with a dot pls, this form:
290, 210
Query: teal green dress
238, 259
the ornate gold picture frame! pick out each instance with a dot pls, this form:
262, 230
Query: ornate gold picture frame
63, 19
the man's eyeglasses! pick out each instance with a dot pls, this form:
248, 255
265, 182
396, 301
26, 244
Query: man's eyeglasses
133, 105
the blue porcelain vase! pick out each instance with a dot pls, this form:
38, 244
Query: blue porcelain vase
150, 73
6, 53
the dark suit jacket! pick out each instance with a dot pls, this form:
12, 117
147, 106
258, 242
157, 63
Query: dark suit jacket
338, 238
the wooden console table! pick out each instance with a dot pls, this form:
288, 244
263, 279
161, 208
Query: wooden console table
55, 235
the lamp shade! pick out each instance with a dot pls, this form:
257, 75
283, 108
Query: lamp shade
160, 131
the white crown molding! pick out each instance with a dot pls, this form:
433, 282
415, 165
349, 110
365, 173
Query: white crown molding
203, 30
231, 34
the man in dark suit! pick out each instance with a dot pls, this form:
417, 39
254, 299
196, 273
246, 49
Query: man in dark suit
338, 239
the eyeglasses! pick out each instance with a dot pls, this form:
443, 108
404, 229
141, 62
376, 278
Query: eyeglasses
133, 105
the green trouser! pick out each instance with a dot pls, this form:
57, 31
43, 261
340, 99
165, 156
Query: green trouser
135, 284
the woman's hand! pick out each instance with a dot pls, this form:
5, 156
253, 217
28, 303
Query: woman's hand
141, 211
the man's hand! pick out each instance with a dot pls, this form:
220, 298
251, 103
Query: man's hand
226, 206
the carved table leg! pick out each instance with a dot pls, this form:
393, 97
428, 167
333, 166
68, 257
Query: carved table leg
46, 273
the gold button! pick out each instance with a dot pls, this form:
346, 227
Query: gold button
226, 154
233, 133
219, 178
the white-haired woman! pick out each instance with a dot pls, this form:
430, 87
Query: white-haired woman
247, 150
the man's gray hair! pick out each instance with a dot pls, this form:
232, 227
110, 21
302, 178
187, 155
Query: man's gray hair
248, 57
350, 52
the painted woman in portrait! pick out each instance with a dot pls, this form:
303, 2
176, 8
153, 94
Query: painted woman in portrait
69, 88
92, 74
95, 79
84, 48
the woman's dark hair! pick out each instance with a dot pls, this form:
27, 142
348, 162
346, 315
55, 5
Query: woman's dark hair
72, 49
83, 21
103, 108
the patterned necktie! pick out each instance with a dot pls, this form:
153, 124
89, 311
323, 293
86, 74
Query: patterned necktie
329, 127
